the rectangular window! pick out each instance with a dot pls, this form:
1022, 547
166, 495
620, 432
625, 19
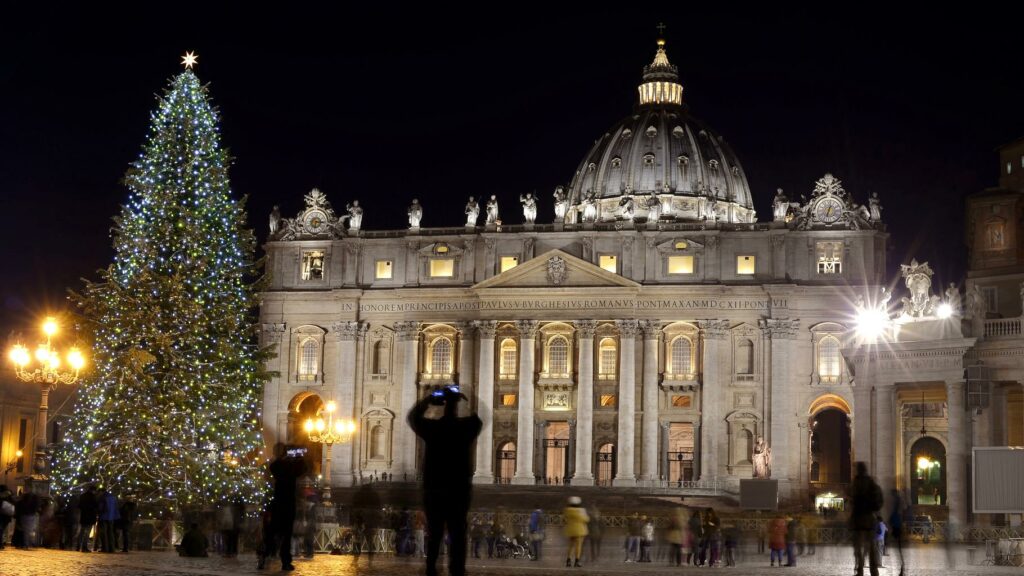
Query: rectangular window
508, 399
607, 400
745, 265
609, 262
313, 265
991, 296
682, 401
509, 262
830, 257
442, 268
680, 264
383, 270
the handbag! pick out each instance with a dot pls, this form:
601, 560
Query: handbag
6, 508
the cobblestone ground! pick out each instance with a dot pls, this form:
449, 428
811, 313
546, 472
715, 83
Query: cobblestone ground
923, 561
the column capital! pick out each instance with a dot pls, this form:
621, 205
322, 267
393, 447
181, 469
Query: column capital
486, 328
650, 329
406, 330
627, 328
465, 329
528, 328
347, 331
273, 333
585, 328
714, 329
780, 328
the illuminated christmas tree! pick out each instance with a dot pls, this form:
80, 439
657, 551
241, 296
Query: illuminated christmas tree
171, 412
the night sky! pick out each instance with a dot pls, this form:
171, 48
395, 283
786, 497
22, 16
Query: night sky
441, 104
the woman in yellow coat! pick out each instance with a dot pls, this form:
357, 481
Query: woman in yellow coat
575, 530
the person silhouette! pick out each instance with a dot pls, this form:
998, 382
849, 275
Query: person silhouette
447, 472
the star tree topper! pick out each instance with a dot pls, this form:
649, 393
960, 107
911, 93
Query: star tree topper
189, 60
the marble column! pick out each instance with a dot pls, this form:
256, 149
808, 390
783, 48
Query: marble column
407, 335
584, 475
625, 448
524, 434
466, 358
485, 404
275, 408
649, 423
783, 334
861, 434
956, 463
342, 455
884, 461
714, 335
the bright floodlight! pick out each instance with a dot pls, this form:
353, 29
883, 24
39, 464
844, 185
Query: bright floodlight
50, 326
944, 310
871, 323
20, 355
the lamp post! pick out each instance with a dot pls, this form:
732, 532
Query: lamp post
45, 368
329, 433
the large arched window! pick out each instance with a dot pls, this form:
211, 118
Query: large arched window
378, 441
745, 357
507, 360
309, 359
558, 356
830, 365
681, 357
607, 358
441, 356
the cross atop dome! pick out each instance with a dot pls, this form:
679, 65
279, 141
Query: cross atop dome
661, 80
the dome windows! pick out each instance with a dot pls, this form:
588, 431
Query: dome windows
591, 167
713, 164
627, 134
616, 162
682, 160
651, 132
678, 132
649, 159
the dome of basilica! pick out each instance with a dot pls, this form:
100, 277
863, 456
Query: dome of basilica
660, 163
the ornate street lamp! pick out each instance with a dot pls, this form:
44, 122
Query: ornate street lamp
329, 433
46, 368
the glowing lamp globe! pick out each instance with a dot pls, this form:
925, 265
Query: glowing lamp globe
871, 323
944, 310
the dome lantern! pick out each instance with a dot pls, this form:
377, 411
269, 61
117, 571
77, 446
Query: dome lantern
661, 81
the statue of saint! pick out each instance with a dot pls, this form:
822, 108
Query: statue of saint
529, 207
589, 206
492, 210
875, 207
710, 207
653, 205
762, 459
560, 203
275, 220
472, 212
780, 206
626, 207
953, 298
415, 213
355, 215
976, 303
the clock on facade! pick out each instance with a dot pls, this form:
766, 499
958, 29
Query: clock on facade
315, 221
828, 210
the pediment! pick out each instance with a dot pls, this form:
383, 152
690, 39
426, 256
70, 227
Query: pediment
681, 245
556, 269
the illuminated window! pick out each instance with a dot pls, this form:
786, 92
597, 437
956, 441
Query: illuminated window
682, 356
441, 356
313, 265
442, 267
508, 399
682, 401
682, 245
507, 360
558, 356
383, 271
609, 262
606, 359
441, 249
745, 265
309, 356
509, 262
680, 264
830, 257
745, 357
829, 361
607, 400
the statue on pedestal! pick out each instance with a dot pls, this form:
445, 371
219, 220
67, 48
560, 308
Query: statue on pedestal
762, 459
355, 215
415, 213
589, 206
472, 212
529, 207
780, 206
492, 210
918, 279
875, 207
976, 303
626, 207
560, 203
275, 220
953, 298
653, 205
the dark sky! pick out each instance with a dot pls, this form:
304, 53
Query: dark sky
442, 104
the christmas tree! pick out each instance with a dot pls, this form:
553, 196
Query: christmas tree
171, 413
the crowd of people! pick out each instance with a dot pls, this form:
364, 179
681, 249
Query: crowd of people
93, 520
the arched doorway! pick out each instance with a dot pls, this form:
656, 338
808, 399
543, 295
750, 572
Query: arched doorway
506, 465
605, 464
303, 407
830, 450
928, 472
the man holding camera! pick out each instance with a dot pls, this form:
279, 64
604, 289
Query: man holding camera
287, 467
447, 473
